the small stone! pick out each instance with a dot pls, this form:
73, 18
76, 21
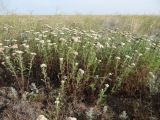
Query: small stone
41, 117
71, 118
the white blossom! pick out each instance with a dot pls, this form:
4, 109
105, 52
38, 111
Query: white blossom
61, 60
62, 81
75, 53
57, 101
41, 41
76, 39
7, 57
37, 39
147, 48
140, 54
81, 71
110, 74
19, 52
106, 85
122, 43
76, 64
133, 64
43, 65
48, 41
118, 58
99, 45
127, 56
33, 54
114, 47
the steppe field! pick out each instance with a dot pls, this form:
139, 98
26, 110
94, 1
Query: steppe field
79, 67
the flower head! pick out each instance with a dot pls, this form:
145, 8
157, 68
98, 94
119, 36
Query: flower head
41, 41
81, 71
75, 53
122, 43
7, 57
43, 65
19, 52
110, 74
62, 81
76, 64
25, 46
106, 85
127, 56
15, 46
48, 41
37, 39
1, 44
114, 47
76, 39
140, 54
133, 64
33, 54
99, 45
14, 40
118, 58
57, 101
61, 60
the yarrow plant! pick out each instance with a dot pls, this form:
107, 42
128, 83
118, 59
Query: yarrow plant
102, 95
76, 63
45, 78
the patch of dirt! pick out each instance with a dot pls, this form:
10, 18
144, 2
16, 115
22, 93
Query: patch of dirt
136, 108
3, 103
82, 112
21, 110
156, 104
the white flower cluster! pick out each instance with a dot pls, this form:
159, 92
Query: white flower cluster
43, 65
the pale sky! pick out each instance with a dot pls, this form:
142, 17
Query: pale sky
98, 7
